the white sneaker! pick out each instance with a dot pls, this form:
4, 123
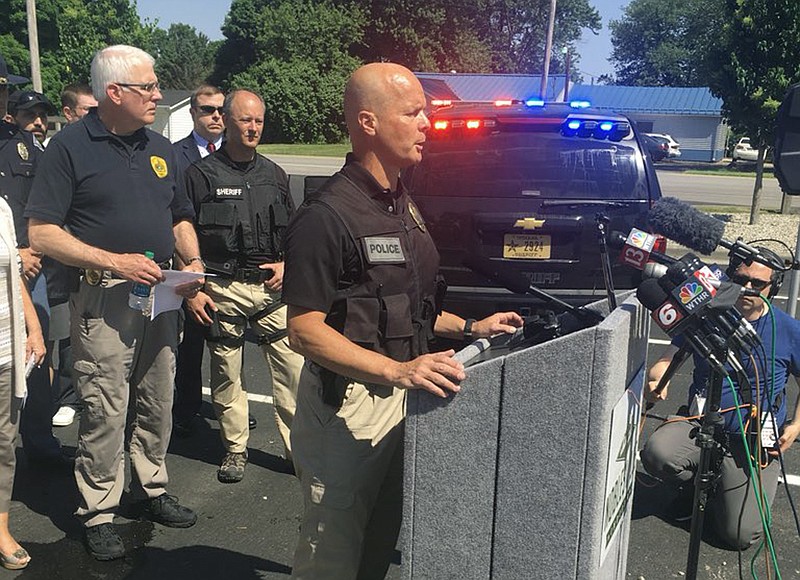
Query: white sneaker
63, 417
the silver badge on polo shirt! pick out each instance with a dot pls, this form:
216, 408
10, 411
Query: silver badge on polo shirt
384, 250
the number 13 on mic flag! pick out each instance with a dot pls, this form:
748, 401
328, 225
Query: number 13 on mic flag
637, 249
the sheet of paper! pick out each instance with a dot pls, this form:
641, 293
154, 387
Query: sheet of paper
164, 296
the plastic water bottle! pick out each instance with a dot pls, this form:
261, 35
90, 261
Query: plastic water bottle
139, 298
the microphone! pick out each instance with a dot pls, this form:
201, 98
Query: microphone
669, 317
689, 227
694, 292
637, 249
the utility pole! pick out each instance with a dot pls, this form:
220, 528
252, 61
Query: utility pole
566, 73
33, 44
548, 49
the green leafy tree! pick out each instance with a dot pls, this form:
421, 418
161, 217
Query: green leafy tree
664, 42
471, 36
295, 53
751, 66
184, 57
70, 32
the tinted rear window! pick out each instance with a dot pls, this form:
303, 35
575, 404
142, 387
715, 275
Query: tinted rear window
536, 165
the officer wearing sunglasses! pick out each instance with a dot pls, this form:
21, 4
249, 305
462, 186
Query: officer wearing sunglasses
671, 454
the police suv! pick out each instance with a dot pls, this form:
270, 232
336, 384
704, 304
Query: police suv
523, 186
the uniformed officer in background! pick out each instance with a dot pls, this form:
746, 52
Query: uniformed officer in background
19, 157
361, 286
112, 183
30, 111
243, 205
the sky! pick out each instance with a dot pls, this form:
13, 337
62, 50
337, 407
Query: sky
207, 17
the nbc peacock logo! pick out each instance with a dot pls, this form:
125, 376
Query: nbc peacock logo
638, 238
689, 291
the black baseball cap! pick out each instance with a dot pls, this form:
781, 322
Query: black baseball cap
9, 79
22, 100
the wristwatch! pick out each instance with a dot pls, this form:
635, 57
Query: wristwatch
196, 259
467, 332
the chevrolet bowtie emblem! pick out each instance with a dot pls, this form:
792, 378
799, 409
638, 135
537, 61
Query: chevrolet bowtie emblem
529, 223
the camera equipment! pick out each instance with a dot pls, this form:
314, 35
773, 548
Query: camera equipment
787, 142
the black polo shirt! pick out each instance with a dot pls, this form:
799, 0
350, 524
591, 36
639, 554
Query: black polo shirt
120, 194
18, 159
320, 255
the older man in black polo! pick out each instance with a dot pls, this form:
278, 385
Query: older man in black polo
113, 184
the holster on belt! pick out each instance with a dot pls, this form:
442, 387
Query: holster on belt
334, 387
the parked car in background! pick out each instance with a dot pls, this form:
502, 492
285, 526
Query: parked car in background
744, 152
658, 147
674, 146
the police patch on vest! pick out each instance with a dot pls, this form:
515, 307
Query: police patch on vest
382, 250
159, 166
22, 151
228, 192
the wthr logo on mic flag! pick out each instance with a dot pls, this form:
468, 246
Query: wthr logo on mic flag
691, 295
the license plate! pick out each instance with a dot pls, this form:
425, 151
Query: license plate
526, 246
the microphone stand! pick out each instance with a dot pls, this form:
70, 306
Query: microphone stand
711, 440
602, 234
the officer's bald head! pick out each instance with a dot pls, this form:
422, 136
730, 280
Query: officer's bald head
374, 85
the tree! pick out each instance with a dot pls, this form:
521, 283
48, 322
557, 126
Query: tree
70, 32
184, 57
470, 36
751, 66
295, 53
664, 42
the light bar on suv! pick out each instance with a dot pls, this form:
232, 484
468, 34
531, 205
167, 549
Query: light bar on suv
592, 126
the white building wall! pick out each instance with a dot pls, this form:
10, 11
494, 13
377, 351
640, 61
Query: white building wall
180, 123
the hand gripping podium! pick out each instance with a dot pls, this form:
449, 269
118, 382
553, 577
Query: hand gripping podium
528, 472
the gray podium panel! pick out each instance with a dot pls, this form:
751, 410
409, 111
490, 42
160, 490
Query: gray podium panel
543, 447
450, 466
533, 478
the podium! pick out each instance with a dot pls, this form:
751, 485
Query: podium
528, 472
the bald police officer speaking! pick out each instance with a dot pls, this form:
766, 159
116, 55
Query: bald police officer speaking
361, 285
113, 184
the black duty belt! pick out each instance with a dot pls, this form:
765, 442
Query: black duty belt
95, 277
231, 271
252, 275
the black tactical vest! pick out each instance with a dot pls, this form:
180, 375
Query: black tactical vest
393, 306
248, 212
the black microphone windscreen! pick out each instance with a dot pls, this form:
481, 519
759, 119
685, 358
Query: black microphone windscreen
682, 223
650, 294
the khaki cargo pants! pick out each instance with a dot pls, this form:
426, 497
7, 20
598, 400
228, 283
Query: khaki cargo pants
120, 356
228, 393
350, 465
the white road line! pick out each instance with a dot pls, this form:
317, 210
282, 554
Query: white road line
791, 479
250, 397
